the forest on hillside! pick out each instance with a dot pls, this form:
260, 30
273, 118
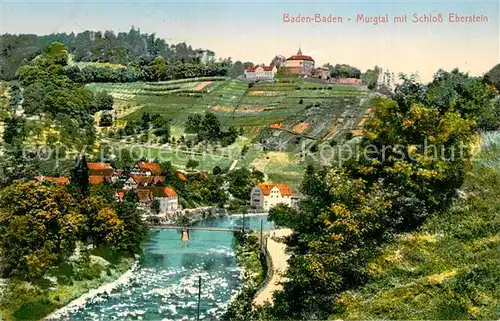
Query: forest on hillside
131, 48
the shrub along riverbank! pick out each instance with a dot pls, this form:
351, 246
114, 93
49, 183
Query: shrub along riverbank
253, 263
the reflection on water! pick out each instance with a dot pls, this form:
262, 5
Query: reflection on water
165, 285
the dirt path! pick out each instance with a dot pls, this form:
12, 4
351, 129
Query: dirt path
279, 258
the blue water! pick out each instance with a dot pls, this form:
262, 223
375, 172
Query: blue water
165, 284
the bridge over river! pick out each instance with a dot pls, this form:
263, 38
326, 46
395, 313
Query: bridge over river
196, 228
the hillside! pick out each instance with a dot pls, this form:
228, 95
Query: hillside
446, 270
277, 120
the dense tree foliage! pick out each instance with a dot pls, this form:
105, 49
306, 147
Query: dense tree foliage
413, 157
492, 77
343, 71
126, 48
208, 128
41, 225
241, 182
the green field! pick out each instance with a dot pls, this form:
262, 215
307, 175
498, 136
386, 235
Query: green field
296, 113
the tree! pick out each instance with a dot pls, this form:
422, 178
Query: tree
106, 120
80, 177
492, 77
192, 164
217, 170
241, 182
57, 52
135, 229
39, 228
103, 101
237, 69
211, 127
283, 215
155, 206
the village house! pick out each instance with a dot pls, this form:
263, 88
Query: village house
146, 169
167, 198
260, 72
266, 196
100, 172
165, 195
300, 64
136, 181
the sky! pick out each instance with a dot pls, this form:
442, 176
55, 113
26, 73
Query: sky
255, 30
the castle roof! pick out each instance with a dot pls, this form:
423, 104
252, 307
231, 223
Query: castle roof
300, 56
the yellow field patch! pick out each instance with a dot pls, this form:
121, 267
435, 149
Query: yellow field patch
222, 108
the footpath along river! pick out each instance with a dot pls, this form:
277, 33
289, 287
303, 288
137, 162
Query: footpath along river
164, 286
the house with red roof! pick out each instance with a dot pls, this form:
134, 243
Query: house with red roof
260, 72
300, 64
165, 195
146, 169
101, 172
136, 181
266, 196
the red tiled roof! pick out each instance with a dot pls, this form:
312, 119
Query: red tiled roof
284, 189
59, 180
165, 191
98, 166
155, 191
96, 179
181, 176
100, 169
148, 166
266, 68
300, 57
147, 179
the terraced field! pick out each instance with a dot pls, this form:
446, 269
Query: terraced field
283, 116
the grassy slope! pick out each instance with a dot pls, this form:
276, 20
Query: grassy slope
26, 301
446, 270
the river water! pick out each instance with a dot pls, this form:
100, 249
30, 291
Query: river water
165, 284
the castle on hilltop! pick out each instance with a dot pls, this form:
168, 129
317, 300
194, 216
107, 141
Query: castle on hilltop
299, 64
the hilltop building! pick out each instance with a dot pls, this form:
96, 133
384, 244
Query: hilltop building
300, 64
322, 73
266, 196
260, 72
387, 79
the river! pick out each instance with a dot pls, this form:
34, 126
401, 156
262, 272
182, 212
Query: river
164, 285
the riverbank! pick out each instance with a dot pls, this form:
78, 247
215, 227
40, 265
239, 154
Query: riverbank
104, 289
276, 249
62, 288
252, 263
